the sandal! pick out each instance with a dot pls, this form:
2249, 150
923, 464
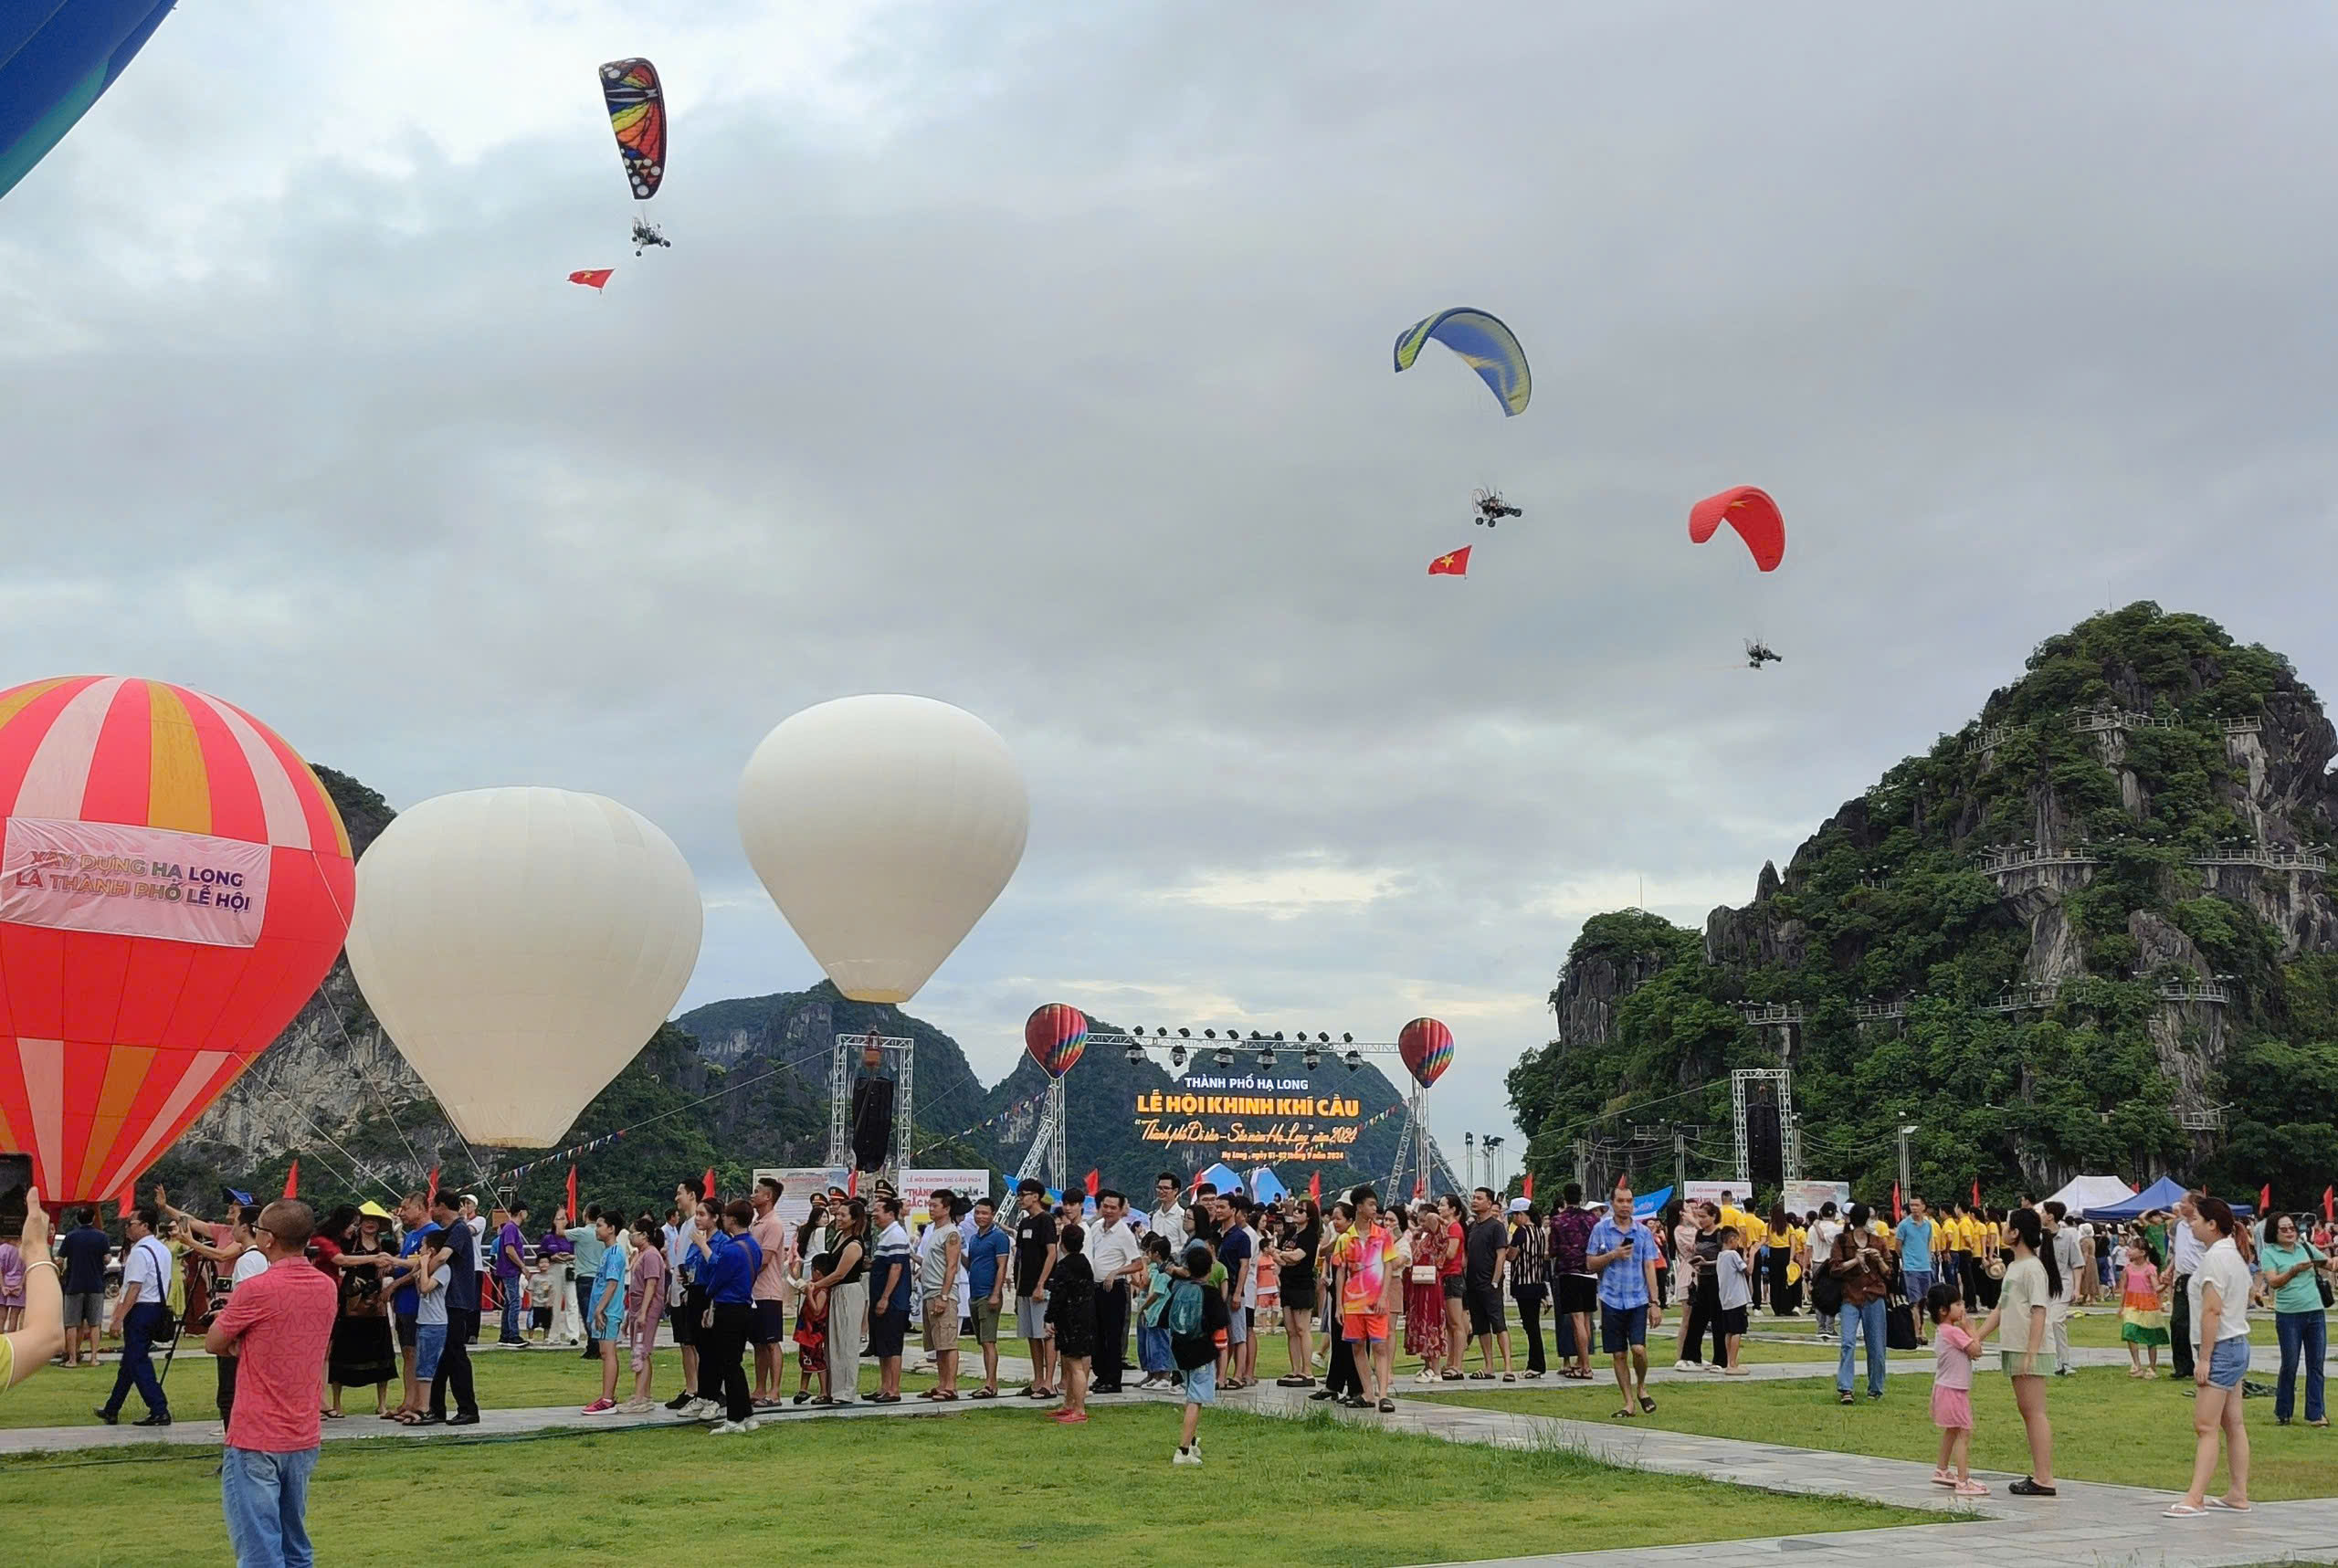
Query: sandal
2183, 1510
1648, 1405
1971, 1489
1387, 1407
1512, 1377
2223, 1507
2025, 1487
984, 1393
1623, 1415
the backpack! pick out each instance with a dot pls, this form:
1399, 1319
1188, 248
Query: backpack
1195, 1346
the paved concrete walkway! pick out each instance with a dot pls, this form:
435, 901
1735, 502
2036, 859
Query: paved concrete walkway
2088, 1525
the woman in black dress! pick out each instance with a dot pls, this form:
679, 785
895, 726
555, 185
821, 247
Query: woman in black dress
363, 1350
1071, 1314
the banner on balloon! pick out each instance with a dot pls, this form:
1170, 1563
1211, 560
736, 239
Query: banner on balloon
127, 880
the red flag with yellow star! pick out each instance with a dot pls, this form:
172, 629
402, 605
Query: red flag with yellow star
1453, 563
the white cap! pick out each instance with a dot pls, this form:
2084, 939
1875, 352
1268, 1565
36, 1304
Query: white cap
1521, 1206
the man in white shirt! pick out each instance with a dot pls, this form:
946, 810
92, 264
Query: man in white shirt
1115, 1260
1168, 1216
142, 1312
2070, 1259
469, 1210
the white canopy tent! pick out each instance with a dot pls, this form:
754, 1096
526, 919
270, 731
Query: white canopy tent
2085, 1192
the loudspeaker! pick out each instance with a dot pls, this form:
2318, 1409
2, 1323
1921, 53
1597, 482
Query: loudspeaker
872, 1122
1765, 1156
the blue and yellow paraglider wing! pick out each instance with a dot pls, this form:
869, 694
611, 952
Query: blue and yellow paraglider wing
1485, 344
54, 60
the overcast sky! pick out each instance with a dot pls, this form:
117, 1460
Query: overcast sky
1035, 357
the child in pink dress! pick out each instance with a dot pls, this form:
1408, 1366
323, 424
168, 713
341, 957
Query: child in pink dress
1953, 1348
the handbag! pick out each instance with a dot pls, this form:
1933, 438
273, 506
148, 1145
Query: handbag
1423, 1274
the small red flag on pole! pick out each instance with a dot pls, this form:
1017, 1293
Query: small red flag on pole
1895, 1202
2329, 1205
852, 1183
1095, 1179
432, 1197
1452, 564
706, 1188
292, 1181
1315, 1185
2264, 1198
1526, 1186
574, 1215
593, 278
1976, 1191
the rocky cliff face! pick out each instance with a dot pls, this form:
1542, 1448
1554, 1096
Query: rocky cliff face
2127, 845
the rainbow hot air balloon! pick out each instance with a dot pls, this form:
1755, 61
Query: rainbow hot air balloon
1055, 1034
174, 884
1426, 1047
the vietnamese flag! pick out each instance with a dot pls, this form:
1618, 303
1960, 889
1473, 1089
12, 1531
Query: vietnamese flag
1453, 563
706, 1188
292, 1181
1526, 1187
1315, 1187
2264, 1198
1095, 1179
593, 278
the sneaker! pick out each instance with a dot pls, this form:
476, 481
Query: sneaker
637, 1406
601, 1408
752, 1423
724, 1428
701, 1410
1186, 1457
681, 1401
1688, 1366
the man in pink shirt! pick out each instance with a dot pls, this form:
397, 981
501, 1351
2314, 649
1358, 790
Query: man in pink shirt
768, 1330
279, 1325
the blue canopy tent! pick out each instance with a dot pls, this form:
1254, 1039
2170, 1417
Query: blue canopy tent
1647, 1204
2163, 1193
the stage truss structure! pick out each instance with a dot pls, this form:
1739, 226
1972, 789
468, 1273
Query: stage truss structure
1789, 1131
847, 1047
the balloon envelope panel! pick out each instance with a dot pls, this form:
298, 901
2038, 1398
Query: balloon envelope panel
56, 61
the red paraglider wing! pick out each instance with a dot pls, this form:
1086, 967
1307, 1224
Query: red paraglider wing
1056, 1036
174, 884
1753, 513
1426, 1047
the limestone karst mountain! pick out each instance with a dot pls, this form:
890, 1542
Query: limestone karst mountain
2090, 930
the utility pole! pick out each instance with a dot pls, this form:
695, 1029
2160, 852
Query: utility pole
1679, 1162
1493, 1164
1469, 1159
1905, 1189
1583, 1164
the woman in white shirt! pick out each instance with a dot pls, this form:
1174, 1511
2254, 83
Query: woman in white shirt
2219, 1304
2025, 1349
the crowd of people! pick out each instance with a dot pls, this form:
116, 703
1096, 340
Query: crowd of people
393, 1303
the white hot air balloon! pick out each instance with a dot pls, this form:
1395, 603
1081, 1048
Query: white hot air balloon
883, 827
519, 946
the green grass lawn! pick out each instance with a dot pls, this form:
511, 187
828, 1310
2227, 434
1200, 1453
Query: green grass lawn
2099, 1329
506, 1380
516, 1379
990, 1487
2108, 1427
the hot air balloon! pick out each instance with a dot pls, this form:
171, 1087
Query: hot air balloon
519, 946
1485, 346
1055, 1034
883, 827
174, 886
1752, 514
56, 58
1426, 1047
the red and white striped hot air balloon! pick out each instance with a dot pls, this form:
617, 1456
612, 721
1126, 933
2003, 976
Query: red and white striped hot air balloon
174, 883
